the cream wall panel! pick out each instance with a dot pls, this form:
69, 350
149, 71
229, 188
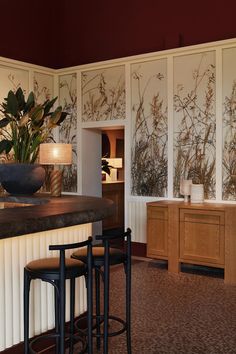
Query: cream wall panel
12, 78
149, 128
136, 220
229, 123
68, 130
43, 87
195, 121
103, 94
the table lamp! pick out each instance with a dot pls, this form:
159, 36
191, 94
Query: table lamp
55, 154
185, 188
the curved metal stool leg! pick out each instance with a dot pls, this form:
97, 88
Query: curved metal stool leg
72, 314
27, 281
98, 310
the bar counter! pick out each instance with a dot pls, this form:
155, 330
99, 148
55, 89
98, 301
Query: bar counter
28, 226
46, 213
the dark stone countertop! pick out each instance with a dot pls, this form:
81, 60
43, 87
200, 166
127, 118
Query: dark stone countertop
47, 213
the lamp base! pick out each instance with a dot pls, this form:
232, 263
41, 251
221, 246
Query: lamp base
56, 183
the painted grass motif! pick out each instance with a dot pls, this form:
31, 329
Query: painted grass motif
149, 142
229, 152
43, 85
103, 93
194, 142
68, 130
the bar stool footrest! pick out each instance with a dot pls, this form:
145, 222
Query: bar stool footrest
42, 337
101, 320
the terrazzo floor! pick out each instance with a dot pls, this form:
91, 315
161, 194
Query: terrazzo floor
192, 312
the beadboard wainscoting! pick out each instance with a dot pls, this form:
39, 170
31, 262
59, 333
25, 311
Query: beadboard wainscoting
15, 253
137, 220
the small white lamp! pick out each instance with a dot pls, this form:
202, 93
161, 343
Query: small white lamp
55, 154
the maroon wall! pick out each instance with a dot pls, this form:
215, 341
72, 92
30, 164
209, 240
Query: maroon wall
72, 32
106, 29
28, 30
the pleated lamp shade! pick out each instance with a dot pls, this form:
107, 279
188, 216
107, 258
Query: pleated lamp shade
55, 154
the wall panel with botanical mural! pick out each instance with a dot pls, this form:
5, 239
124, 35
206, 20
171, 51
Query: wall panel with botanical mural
149, 128
103, 94
195, 121
229, 124
68, 129
43, 90
43, 86
11, 79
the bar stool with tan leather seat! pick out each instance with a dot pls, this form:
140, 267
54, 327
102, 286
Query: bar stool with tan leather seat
56, 270
105, 256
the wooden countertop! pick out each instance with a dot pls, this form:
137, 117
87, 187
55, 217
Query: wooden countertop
49, 213
189, 205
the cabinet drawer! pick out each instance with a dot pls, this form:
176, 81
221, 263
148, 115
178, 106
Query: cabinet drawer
160, 213
202, 216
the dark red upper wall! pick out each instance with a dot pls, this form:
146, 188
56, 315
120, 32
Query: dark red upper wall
106, 29
28, 30
72, 32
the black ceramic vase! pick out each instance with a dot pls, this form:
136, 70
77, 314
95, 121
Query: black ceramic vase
21, 178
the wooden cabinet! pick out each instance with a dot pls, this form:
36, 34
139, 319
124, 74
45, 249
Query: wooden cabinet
203, 234
157, 236
201, 237
115, 192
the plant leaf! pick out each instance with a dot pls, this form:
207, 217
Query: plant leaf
37, 113
30, 102
5, 146
62, 118
20, 98
4, 122
12, 104
24, 120
55, 116
48, 105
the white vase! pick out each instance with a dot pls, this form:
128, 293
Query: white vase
197, 193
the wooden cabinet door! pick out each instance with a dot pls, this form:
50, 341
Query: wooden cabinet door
202, 237
157, 232
115, 192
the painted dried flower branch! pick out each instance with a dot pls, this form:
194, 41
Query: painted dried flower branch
68, 131
101, 102
41, 93
149, 150
195, 140
229, 152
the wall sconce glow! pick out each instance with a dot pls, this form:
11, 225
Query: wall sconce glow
55, 154
115, 162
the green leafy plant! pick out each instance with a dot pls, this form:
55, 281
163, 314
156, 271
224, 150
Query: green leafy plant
26, 124
106, 167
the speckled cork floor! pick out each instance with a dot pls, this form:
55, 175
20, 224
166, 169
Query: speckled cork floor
187, 313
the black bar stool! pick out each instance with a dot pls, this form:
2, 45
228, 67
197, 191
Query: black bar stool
105, 256
55, 271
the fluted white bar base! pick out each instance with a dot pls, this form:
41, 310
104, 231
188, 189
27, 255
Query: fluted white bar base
15, 253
